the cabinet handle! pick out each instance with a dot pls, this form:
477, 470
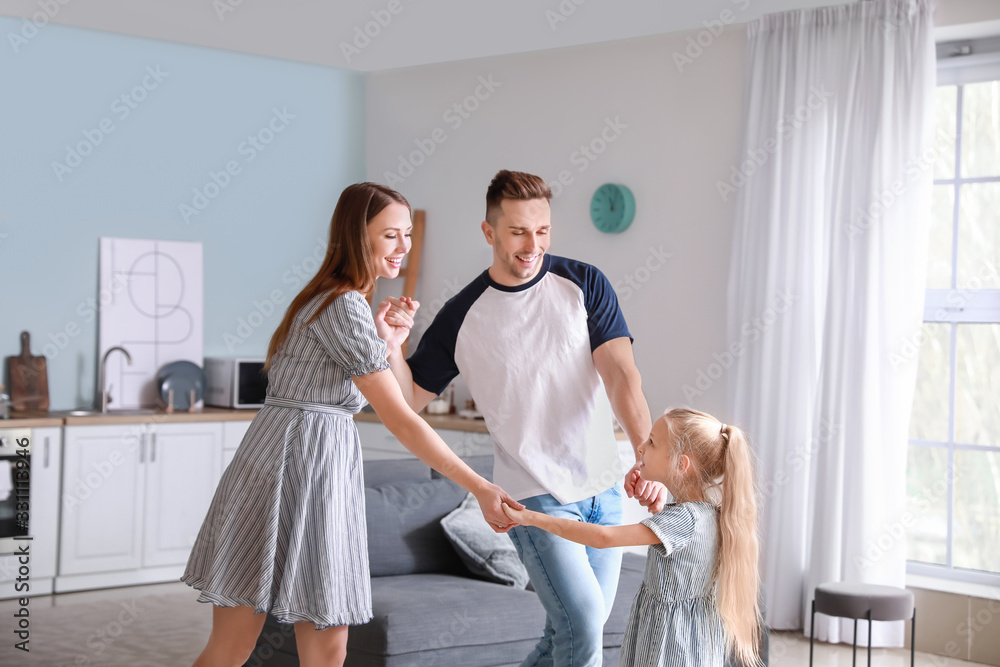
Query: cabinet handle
45, 463
152, 448
142, 448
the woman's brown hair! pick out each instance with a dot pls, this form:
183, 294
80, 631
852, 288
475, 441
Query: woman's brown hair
348, 264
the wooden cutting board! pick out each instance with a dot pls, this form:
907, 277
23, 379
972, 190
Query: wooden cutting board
29, 379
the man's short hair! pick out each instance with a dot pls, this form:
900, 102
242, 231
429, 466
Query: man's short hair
515, 185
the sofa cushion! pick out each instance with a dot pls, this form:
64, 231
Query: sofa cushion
416, 613
404, 527
486, 553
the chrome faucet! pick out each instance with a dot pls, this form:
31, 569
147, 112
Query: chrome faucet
105, 392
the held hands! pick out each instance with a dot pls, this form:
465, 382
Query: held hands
651, 495
394, 319
493, 501
518, 516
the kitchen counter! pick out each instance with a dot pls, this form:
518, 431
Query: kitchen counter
54, 418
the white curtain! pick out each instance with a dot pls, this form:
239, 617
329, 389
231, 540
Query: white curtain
826, 292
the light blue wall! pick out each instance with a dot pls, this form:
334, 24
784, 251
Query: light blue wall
64, 82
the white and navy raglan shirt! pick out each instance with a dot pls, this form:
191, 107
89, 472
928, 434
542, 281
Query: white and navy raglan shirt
525, 353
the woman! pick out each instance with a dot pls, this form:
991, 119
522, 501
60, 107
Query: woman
285, 533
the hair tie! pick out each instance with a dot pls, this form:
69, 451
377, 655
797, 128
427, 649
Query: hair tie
722, 431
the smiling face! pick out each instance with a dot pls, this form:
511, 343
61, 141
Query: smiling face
389, 233
657, 458
519, 239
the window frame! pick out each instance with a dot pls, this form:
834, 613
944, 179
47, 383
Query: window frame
956, 306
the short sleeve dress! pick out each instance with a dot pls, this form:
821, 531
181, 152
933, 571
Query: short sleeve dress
285, 532
673, 621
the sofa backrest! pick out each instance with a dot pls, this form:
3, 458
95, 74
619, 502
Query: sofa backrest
404, 505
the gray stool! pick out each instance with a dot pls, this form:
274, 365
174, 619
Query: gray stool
868, 601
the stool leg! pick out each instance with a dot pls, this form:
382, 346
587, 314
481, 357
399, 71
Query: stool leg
812, 633
869, 638
854, 650
913, 635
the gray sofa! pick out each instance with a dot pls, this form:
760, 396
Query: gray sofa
429, 608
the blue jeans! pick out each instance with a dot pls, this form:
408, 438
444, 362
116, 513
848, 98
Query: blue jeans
575, 584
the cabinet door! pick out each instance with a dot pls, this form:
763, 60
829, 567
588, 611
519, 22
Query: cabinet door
232, 436
46, 467
182, 470
102, 500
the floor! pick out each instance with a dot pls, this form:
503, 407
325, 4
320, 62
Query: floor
163, 626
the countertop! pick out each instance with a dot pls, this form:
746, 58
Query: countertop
54, 418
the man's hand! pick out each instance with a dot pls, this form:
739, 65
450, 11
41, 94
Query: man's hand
651, 495
492, 501
394, 319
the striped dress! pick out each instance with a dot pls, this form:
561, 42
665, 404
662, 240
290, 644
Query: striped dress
673, 621
285, 532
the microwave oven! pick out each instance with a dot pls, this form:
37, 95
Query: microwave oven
235, 383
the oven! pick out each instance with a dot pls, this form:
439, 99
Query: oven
15, 471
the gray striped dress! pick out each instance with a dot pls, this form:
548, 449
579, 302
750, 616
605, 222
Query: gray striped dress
285, 532
673, 621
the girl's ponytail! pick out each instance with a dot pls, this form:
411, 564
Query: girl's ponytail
736, 566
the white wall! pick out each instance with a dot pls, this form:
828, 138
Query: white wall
681, 133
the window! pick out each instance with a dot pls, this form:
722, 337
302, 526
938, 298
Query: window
953, 468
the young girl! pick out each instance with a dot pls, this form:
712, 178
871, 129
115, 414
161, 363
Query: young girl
285, 532
699, 592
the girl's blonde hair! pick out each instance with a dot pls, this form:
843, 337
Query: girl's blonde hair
722, 469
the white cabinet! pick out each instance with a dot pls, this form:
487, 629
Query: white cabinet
232, 436
43, 521
134, 497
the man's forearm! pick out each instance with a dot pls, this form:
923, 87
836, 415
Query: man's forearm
629, 405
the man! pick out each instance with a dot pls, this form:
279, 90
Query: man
544, 349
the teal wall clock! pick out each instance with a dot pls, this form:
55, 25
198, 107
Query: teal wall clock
612, 208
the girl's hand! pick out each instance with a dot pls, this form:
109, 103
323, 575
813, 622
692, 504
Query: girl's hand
521, 516
394, 319
493, 501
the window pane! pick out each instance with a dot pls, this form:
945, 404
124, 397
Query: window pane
942, 227
981, 129
927, 501
929, 420
977, 384
945, 98
977, 511
979, 237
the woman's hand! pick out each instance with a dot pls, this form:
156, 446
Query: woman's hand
493, 501
394, 319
